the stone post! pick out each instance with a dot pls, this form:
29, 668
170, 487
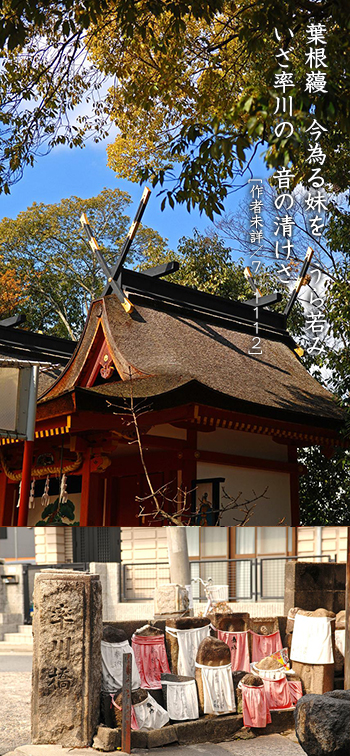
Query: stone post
66, 679
180, 572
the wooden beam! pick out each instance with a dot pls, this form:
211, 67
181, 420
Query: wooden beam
236, 460
288, 431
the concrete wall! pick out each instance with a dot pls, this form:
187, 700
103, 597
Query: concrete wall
11, 595
313, 585
18, 544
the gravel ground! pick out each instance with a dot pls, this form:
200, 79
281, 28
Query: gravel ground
15, 710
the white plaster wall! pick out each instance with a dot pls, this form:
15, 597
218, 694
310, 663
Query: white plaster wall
168, 431
269, 511
243, 443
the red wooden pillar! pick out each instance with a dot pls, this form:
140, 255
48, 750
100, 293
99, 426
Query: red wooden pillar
189, 468
7, 501
108, 500
294, 487
92, 495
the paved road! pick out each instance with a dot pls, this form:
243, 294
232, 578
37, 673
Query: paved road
264, 745
15, 706
15, 663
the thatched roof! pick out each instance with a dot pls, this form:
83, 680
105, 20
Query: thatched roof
179, 351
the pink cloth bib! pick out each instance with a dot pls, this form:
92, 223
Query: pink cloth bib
277, 694
151, 659
295, 689
134, 725
265, 645
238, 644
254, 705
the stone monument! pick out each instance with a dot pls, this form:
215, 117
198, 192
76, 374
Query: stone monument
66, 679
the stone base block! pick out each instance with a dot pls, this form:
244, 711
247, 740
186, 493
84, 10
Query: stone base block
316, 678
107, 739
170, 598
209, 729
280, 722
162, 737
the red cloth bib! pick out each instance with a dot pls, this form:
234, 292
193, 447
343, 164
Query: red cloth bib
238, 643
254, 705
295, 689
265, 645
277, 694
151, 659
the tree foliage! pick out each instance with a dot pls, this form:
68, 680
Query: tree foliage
325, 489
12, 294
207, 263
190, 88
53, 260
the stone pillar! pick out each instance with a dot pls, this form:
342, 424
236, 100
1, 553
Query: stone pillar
180, 572
311, 585
109, 573
66, 679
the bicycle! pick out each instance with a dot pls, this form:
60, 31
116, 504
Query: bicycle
214, 599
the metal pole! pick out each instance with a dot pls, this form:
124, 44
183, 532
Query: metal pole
28, 448
126, 704
347, 620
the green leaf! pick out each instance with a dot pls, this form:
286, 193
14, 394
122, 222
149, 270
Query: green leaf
50, 508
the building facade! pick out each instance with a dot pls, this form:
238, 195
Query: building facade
171, 393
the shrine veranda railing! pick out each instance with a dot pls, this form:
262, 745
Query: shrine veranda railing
250, 579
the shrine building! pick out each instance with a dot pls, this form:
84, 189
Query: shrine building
218, 421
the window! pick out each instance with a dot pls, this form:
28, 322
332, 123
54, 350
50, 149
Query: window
272, 540
245, 541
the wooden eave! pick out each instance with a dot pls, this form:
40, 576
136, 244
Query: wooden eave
190, 414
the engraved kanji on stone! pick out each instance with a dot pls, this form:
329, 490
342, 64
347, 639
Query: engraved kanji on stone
61, 614
59, 679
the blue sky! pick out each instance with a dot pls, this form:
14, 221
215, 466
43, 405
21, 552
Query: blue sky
84, 173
